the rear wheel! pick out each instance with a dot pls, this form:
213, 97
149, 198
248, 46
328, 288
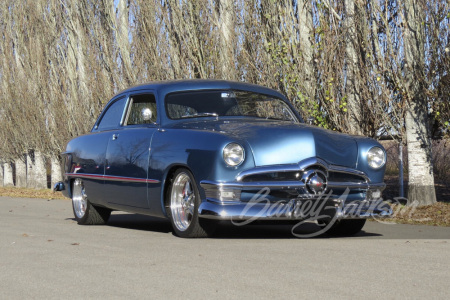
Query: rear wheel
346, 227
86, 213
184, 200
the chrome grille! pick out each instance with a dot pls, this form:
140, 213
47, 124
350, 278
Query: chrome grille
273, 176
345, 177
333, 176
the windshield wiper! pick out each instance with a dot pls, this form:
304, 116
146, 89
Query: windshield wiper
206, 114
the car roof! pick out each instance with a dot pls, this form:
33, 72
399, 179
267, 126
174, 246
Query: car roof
171, 86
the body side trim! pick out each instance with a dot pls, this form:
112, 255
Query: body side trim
111, 178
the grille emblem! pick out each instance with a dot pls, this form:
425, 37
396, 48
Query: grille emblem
315, 182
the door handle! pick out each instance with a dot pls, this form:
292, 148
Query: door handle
115, 137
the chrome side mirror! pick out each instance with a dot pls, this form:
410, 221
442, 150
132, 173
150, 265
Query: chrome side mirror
146, 114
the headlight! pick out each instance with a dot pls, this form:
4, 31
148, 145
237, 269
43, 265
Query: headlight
376, 157
233, 154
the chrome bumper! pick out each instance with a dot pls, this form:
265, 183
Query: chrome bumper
295, 210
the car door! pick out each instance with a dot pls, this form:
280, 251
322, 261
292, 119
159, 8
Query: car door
88, 157
127, 155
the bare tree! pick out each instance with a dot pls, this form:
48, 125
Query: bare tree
55, 166
306, 45
122, 35
352, 84
226, 24
421, 178
1, 174
36, 171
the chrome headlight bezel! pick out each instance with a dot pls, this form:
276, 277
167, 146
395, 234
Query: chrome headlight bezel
376, 157
233, 154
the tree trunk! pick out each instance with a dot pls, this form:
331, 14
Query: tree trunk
55, 170
352, 84
305, 20
40, 171
174, 38
36, 171
21, 172
226, 23
420, 166
1, 175
7, 175
30, 170
123, 42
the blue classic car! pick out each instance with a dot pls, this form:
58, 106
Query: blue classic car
201, 151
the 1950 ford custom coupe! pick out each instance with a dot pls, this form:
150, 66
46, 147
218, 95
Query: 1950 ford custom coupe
199, 151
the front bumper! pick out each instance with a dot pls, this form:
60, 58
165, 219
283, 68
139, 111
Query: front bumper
287, 195
314, 209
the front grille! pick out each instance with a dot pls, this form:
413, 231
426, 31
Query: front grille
339, 181
345, 177
273, 176
333, 176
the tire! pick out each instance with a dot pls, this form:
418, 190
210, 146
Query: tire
183, 200
85, 213
346, 227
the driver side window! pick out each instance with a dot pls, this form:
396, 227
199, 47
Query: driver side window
111, 118
142, 110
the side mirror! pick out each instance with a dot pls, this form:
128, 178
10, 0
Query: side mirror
146, 114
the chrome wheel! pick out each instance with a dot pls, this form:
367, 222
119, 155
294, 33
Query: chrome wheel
182, 201
79, 198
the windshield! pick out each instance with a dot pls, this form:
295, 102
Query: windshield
197, 104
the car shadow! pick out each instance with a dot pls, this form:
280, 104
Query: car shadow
139, 222
227, 230
277, 231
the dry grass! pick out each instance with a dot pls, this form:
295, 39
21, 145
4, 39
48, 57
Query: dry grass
436, 215
30, 193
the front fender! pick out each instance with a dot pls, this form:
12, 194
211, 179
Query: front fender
199, 151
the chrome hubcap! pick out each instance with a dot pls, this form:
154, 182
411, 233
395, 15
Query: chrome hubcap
79, 198
182, 201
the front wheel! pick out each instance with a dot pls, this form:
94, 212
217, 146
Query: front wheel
86, 213
184, 200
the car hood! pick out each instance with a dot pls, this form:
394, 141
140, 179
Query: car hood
277, 142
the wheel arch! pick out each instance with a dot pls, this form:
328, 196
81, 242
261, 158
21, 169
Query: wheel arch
70, 182
167, 182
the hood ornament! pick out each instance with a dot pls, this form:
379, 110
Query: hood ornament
315, 182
